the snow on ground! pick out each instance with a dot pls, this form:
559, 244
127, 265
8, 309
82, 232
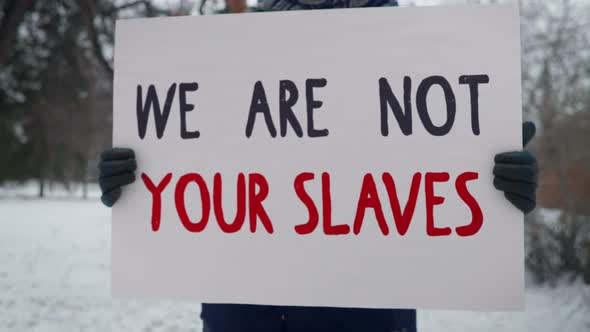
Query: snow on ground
55, 277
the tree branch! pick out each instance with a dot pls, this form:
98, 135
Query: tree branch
89, 12
13, 14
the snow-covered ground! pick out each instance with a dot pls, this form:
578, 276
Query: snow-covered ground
55, 276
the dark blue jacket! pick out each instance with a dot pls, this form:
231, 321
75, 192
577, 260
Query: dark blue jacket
262, 318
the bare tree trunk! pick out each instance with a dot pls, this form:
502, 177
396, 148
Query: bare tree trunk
85, 181
41, 187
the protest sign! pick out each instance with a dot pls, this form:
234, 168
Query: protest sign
320, 158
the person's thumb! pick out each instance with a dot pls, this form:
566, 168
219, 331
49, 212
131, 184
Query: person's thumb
528, 132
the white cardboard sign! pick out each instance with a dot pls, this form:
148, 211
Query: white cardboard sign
365, 141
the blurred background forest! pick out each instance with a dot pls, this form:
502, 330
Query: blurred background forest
56, 95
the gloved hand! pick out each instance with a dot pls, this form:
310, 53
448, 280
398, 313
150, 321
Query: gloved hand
117, 166
516, 173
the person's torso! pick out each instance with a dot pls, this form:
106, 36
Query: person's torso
259, 318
